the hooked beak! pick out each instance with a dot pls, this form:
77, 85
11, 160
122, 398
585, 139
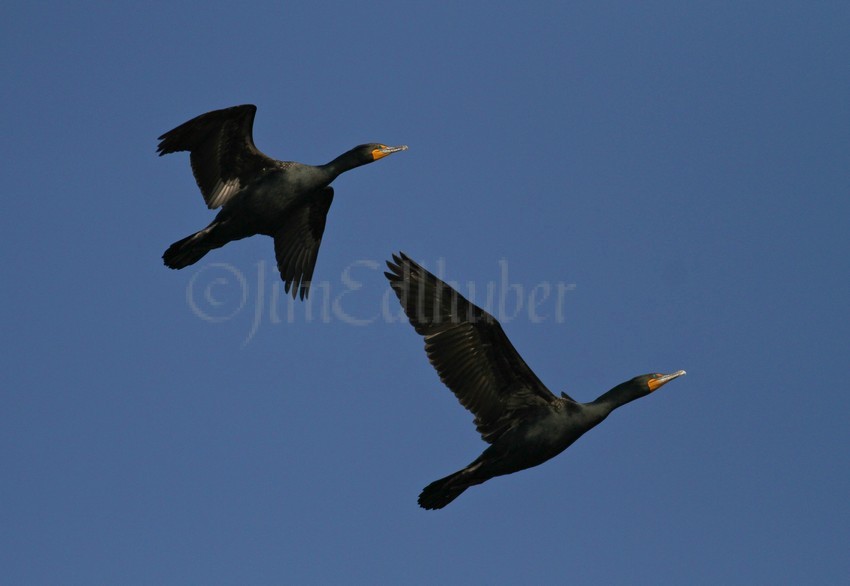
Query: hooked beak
387, 150
660, 380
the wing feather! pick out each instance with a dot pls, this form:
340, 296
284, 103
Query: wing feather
469, 350
296, 243
221, 150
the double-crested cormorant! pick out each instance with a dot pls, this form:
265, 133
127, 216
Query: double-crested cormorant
258, 195
524, 423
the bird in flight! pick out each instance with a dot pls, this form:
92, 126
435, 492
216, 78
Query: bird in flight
524, 423
286, 200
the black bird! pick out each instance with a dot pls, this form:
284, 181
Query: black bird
257, 194
524, 423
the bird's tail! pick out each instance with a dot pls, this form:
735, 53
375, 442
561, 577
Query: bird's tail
189, 250
443, 491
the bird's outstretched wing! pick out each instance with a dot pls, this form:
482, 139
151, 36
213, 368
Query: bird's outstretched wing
296, 243
221, 150
469, 349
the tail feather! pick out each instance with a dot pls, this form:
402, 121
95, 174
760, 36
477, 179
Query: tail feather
443, 491
187, 251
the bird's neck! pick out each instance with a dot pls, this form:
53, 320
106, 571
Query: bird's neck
345, 162
616, 397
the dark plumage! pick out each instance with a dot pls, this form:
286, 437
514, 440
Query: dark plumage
524, 423
258, 195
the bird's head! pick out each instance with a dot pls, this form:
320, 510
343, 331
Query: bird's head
361, 155
369, 153
652, 382
638, 387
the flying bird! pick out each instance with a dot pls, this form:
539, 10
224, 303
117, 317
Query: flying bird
286, 200
524, 423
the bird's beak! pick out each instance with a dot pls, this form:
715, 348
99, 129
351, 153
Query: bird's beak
384, 151
660, 380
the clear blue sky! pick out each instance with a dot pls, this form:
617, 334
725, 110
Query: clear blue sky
679, 171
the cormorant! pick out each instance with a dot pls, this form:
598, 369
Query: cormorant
258, 195
524, 423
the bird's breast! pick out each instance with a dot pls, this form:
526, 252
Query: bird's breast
556, 431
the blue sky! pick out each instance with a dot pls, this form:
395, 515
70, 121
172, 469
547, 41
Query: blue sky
679, 172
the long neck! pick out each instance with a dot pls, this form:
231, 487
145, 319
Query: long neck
617, 397
345, 162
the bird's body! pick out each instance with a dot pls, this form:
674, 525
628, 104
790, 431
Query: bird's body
523, 421
540, 435
286, 200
